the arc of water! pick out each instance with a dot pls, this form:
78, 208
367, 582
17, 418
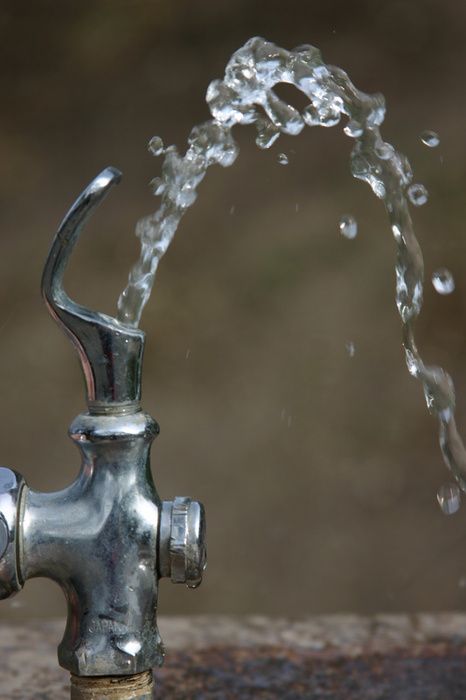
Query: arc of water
246, 96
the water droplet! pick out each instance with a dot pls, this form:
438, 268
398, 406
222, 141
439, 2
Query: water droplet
430, 138
348, 226
188, 353
449, 498
418, 195
350, 348
443, 281
283, 159
462, 582
156, 146
232, 210
296, 207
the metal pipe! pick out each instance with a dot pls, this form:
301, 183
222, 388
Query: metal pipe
138, 687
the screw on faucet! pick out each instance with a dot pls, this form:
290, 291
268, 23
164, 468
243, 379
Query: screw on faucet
182, 550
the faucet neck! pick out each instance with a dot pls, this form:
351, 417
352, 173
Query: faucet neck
110, 351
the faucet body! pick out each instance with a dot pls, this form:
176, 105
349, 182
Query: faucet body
107, 538
98, 540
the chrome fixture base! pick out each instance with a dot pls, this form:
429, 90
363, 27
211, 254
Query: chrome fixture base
107, 538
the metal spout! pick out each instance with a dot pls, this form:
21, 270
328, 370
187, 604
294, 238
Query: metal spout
110, 352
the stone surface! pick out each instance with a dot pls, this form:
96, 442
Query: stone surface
385, 657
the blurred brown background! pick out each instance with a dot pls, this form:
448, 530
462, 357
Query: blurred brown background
319, 470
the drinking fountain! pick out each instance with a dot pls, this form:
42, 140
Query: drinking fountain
107, 538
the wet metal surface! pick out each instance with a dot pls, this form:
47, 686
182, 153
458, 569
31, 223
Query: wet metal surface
393, 657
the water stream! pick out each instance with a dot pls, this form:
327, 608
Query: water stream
246, 96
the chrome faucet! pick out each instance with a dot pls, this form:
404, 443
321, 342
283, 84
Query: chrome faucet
107, 538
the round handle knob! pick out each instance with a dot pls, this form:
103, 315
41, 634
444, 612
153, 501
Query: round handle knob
182, 541
11, 486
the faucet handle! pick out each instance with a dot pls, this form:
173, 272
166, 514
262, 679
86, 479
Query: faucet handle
182, 549
11, 487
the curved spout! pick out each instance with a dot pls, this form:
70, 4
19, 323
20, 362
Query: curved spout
110, 352
66, 238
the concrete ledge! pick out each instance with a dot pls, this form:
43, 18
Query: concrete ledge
345, 657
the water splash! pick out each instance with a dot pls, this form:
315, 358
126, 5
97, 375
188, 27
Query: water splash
283, 159
348, 226
443, 281
246, 96
350, 348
